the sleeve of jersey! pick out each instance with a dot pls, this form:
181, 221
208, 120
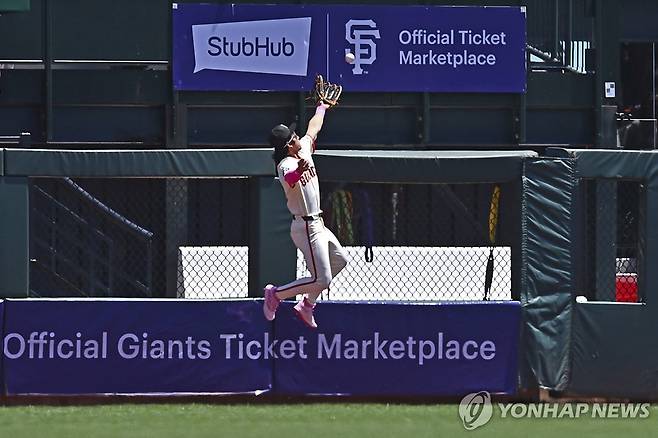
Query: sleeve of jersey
290, 174
308, 144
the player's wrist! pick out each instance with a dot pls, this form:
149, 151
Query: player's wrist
321, 108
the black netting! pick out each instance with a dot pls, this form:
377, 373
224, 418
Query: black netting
418, 241
189, 238
613, 244
149, 237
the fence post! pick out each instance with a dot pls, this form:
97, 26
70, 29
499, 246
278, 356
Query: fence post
15, 237
272, 255
176, 230
176, 202
606, 216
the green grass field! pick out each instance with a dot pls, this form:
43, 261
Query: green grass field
314, 420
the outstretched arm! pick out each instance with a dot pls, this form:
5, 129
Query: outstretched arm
315, 124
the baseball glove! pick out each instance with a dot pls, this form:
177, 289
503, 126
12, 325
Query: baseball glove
326, 92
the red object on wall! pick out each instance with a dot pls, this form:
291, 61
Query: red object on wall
626, 288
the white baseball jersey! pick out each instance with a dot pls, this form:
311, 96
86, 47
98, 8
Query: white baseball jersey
304, 196
323, 253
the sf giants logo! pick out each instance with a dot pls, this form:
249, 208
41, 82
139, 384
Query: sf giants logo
361, 34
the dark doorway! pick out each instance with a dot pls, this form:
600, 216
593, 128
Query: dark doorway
637, 112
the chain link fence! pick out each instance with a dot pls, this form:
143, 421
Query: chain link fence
613, 245
417, 242
189, 238
139, 237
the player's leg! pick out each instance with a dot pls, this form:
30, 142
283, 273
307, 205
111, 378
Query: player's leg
337, 254
300, 235
319, 259
336, 257
313, 244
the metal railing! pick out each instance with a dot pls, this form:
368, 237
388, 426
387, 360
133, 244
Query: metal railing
80, 249
559, 34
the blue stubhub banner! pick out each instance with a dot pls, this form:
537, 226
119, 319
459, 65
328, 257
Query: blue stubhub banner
394, 48
132, 347
400, 349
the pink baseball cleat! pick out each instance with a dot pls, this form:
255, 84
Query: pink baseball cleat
271, 302
304, 311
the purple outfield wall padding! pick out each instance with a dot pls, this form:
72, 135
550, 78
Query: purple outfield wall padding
2, 365
399, 349
132, 347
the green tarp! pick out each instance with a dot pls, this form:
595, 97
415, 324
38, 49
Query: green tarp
372, 166
547, 280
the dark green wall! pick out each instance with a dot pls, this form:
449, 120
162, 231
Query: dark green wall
14, 5
135, 106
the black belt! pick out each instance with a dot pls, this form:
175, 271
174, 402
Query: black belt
308, 218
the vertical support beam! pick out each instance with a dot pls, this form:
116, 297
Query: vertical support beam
15, 237
653, 93
606, 239
175, 189
606, 40
301, 113
520, 119
606, 43
47, 43
648, 275
426, 119
272, 255
568, 43
172, 94
175, 204
597, 44
606, 216
176, 230
556, 30
519, 128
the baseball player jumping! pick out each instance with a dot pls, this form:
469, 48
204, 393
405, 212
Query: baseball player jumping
324, 255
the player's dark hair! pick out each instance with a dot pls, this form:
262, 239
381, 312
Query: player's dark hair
279, 154
278, 139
